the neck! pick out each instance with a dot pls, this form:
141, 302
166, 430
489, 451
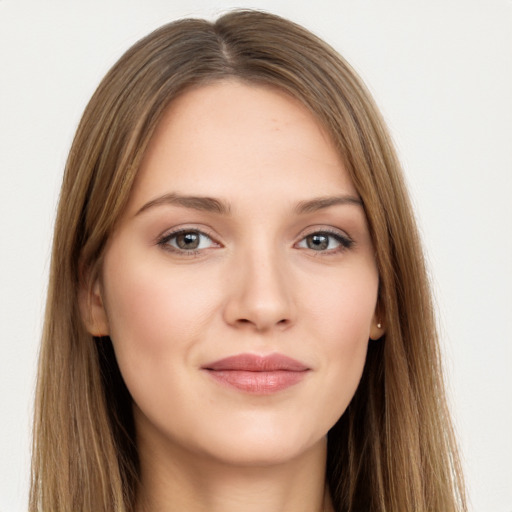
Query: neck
174, 480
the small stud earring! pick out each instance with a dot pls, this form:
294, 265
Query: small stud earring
379, 326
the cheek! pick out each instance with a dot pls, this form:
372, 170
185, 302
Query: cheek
344, 315
346, 305
150, 303
155, 317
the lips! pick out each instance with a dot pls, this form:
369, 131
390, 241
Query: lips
257, 374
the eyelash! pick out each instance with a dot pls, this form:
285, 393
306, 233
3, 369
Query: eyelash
165, 239
344, 241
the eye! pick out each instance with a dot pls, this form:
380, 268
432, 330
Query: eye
325, 241
189, 240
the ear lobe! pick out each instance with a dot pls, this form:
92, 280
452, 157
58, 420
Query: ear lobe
92, 309
377, 329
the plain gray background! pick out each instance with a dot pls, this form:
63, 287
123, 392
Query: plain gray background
442, 74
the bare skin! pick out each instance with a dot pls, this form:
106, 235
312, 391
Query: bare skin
296, 486
244, 238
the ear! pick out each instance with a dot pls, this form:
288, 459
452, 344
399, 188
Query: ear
92, 308
377, 327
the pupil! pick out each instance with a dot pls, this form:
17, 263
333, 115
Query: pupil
318, 242
188, 241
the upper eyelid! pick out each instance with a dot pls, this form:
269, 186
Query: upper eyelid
331, 230
343, 238
207, 231
170, 232
163, 241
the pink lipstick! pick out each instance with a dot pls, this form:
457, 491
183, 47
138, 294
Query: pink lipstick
257, 374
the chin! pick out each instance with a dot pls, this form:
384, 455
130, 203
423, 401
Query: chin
258, 446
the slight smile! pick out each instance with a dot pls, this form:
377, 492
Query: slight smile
260, 375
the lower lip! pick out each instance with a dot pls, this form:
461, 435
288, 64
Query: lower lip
260, 383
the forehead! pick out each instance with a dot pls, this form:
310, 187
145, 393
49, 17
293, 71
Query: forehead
233, 139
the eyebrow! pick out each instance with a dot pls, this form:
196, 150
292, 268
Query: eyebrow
207, 204
210, 204
321, 203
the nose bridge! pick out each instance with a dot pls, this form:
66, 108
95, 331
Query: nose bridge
261, 294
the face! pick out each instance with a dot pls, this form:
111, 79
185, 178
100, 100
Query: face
239, 288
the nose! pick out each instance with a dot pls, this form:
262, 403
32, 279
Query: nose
259, 293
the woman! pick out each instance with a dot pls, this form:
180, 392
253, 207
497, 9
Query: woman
238, 315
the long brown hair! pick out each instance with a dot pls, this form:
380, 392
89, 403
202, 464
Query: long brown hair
393, 449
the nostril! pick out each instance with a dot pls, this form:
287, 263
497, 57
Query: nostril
282, 322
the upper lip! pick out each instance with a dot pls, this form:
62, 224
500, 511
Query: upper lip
257, 363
